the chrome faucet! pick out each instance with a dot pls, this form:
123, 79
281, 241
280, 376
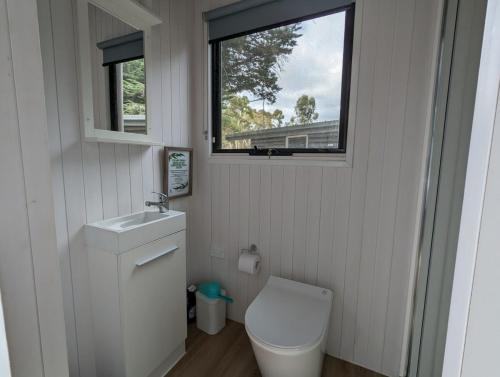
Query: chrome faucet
162, 204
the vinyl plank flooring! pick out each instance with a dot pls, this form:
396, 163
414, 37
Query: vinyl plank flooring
229, 354
333, 367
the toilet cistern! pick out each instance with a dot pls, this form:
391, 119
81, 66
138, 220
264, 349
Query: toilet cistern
162, 204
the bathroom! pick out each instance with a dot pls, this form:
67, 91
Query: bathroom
365, 233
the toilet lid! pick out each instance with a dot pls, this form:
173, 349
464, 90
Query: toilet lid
288, 314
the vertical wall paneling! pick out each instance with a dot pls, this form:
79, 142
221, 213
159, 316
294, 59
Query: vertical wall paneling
90, 152
136, 178
147, 172
71, 154
155, 78
288, 217
123, 179
177, 9
166, 87
390, 178
254, 188
109, 181
15, 248
233, 251
220, 220
368, 55
300, 225
381, 83
29, 279
341, 218
264, 223
244, 243
157, 169
58, 189
349, 228
276, 226
196, 72
313, 211
327, 213
224, 224
93, 181
352, 228
185, 32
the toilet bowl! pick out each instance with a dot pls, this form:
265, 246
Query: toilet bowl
287, 324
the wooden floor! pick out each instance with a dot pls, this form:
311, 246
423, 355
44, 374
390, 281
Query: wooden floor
229, 354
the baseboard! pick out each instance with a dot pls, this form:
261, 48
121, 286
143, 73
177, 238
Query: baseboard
169, 362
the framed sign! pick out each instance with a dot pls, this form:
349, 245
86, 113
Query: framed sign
178, 175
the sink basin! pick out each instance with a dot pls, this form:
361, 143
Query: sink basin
123, 233
133, 220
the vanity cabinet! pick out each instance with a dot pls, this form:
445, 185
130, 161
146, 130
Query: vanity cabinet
139, 307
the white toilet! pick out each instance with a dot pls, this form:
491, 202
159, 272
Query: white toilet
287, 324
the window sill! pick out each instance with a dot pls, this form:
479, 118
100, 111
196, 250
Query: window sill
323, 160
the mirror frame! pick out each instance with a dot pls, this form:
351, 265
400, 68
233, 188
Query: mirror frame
138, 17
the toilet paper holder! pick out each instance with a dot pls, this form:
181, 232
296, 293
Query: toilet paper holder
249, 260
251, 250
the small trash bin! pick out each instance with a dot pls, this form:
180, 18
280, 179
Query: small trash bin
210, 313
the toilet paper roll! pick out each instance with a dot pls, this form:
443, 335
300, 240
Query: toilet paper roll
249, 263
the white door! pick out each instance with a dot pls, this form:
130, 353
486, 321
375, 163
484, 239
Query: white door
153, 302
4, 352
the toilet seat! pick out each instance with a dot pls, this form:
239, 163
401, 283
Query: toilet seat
289, 315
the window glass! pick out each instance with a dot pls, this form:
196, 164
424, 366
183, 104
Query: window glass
296, 142
134, 98
282, 87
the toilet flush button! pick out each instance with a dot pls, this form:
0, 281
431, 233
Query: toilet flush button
323, 292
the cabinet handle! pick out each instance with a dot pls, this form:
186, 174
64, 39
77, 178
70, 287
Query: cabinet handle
142, 262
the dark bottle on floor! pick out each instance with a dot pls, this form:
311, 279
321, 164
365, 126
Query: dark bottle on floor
191, 303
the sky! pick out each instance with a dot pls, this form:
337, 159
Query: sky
313, 68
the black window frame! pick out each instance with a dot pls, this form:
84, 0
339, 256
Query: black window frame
344, 99
113, 100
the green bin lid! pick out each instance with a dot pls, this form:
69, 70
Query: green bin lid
212, 290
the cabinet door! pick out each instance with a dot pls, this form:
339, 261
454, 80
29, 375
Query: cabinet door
153, 302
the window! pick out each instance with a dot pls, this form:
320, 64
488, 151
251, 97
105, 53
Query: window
284, 88
297, 141
127, 88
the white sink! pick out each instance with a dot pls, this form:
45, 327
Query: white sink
120, 224
123, 233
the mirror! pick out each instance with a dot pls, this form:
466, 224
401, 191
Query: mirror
118, 74
114, 56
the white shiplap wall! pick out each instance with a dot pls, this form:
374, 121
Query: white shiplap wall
352, 229
94, 181
30, 283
